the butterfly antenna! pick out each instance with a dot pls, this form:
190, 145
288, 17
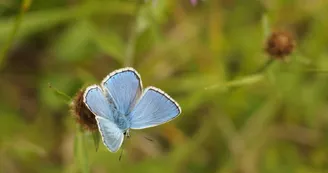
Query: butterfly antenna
119, 159
60, 93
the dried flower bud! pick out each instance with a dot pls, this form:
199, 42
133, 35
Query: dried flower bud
82, 114
280, 44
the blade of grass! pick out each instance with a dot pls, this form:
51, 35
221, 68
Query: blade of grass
260, 120
17, 23
248, 80
265, 26
130, 48
40, 20
80, 151
96, 139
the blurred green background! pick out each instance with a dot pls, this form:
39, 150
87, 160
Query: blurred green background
204, 56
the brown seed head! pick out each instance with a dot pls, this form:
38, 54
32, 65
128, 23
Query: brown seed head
280, 44
82, 113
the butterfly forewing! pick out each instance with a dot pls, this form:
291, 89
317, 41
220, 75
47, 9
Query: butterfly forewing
124, 86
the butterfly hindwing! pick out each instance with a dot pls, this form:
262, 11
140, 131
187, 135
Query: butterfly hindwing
112, 136
95, 99
124, 86
155, 107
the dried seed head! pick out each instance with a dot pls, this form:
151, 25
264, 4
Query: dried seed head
280, 44
82, 114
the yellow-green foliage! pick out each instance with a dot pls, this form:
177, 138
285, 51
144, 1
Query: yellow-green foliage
233, 120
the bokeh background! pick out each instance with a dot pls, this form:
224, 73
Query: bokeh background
233, 120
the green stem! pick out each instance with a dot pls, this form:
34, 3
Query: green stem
247, 80
265, 66
80, 150
130, 50
317, 71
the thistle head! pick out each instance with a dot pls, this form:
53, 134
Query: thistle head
280, 44
82, 113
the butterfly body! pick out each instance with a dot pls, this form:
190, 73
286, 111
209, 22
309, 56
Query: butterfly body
120, 104
121, 121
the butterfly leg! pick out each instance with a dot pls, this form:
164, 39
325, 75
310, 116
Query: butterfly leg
148, 139
119, 159
127, 133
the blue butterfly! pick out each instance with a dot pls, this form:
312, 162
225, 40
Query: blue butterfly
119, 104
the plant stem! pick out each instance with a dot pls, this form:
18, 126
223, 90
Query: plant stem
130, 50
265, 66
